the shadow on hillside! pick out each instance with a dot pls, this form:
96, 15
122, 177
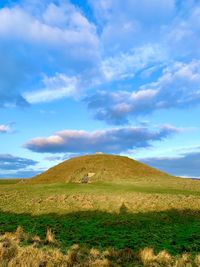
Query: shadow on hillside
172, 230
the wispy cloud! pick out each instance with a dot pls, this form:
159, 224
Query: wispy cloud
125, 25
4, 128
126, 65
56, 87
177, 87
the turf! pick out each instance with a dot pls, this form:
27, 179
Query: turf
102, 215
172, 230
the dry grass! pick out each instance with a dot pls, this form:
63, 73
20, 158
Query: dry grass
14, 254
35, 202
50, 239
163, 258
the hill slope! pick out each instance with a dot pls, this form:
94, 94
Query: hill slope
99, 168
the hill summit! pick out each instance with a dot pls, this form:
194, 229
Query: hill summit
98, 167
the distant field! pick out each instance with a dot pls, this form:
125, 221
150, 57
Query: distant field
160, 215
9, 181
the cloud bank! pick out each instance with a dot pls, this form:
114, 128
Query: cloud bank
9, 162
16, 167
187, 164
115, 140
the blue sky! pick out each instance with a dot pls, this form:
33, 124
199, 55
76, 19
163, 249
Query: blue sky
115, 76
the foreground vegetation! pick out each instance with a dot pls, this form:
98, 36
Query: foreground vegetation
115, 221
175, 231
21, 249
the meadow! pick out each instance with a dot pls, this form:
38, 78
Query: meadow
131, 216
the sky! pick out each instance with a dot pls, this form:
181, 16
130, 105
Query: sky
81, 76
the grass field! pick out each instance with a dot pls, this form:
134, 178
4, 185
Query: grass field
8, 181
156, 214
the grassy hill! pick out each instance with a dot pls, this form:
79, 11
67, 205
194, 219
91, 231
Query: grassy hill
102, 168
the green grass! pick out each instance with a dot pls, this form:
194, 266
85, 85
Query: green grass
175, 231
136, 215
111, 188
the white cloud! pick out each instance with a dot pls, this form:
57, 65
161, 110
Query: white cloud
126, 65
74, 30
177, 87
182, 36
143, 10
128, 24
4, 128
57, 40
56, 87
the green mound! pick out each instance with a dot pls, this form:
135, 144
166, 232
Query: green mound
106, 168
